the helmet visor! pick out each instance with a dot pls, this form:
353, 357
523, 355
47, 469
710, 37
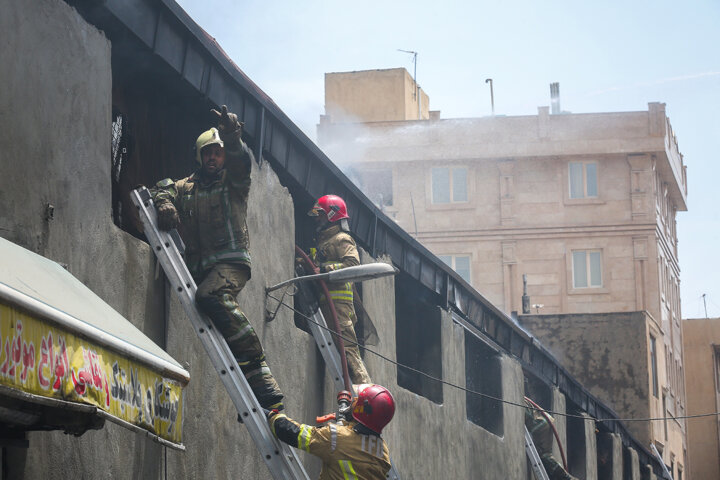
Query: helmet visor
315, 211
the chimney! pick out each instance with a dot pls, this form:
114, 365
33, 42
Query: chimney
555, 98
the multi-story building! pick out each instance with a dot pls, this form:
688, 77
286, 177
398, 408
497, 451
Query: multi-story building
578, 210
701, 341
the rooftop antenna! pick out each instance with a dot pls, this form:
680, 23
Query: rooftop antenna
416, 93
492, 96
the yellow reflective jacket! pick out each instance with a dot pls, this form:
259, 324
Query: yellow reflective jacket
336, 249
345, 452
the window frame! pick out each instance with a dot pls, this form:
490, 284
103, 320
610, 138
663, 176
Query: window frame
453, 258
588, 269
451, 189
585, 196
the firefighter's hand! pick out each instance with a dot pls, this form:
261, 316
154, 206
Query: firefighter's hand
167, 217
228, 124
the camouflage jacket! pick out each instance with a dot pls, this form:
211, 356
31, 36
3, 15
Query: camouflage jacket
213, 212
336, 249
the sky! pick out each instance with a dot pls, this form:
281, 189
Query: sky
607, 56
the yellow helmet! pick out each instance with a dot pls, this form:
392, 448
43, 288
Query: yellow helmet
206, 138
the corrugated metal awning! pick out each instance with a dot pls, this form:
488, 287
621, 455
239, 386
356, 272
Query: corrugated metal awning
62, 346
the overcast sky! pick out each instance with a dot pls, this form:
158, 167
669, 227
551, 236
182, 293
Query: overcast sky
608, 56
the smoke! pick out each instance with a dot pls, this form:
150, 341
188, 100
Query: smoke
661, 81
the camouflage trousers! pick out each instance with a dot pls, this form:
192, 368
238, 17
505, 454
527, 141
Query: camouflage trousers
346, 319
216, 296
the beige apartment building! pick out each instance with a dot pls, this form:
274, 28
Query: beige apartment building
701, 337
581, 205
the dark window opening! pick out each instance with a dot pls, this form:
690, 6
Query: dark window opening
627, 464
538, 391
483, 375
417, 340
576, 445
154, 129
605, 460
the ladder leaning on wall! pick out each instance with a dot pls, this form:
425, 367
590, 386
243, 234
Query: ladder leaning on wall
532, 454
279, 457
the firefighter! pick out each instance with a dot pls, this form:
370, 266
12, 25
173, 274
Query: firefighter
209, 208
336, 249
537, 422
351, 448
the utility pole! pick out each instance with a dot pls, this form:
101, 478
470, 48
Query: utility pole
492, 97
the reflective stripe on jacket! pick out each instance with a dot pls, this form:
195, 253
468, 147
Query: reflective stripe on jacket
336, 249
346, 454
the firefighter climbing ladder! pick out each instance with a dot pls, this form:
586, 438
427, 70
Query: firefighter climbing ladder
324, 342
535, 463
279, 457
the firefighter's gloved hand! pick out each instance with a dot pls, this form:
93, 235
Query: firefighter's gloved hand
167, 216
270, 413
229, 126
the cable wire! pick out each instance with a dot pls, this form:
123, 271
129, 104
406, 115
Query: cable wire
485, 395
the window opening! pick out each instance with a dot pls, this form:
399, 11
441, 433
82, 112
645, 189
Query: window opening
483, 374
653, 365
418, 339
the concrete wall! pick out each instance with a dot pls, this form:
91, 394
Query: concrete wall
373, 96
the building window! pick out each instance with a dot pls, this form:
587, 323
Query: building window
418, 340
587, 268
459, 263
483, 375
449, 185
583, 179
653, 365
377, 185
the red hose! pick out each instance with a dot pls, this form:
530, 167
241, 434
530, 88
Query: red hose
554, 430
336, 324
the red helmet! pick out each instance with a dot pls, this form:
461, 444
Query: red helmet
374, 407
333, 206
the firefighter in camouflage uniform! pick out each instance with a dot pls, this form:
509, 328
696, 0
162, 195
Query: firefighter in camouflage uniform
538, 424
209, 208
336, 249
349, 449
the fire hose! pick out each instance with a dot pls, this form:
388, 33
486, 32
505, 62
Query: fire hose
335, 323
552, 426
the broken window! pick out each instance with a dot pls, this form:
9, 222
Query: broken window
118, 155
483, 374
417, 340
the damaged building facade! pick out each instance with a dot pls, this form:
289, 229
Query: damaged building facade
101, 97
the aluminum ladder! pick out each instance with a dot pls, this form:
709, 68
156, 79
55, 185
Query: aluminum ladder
279, 457
325, 343
535, 462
